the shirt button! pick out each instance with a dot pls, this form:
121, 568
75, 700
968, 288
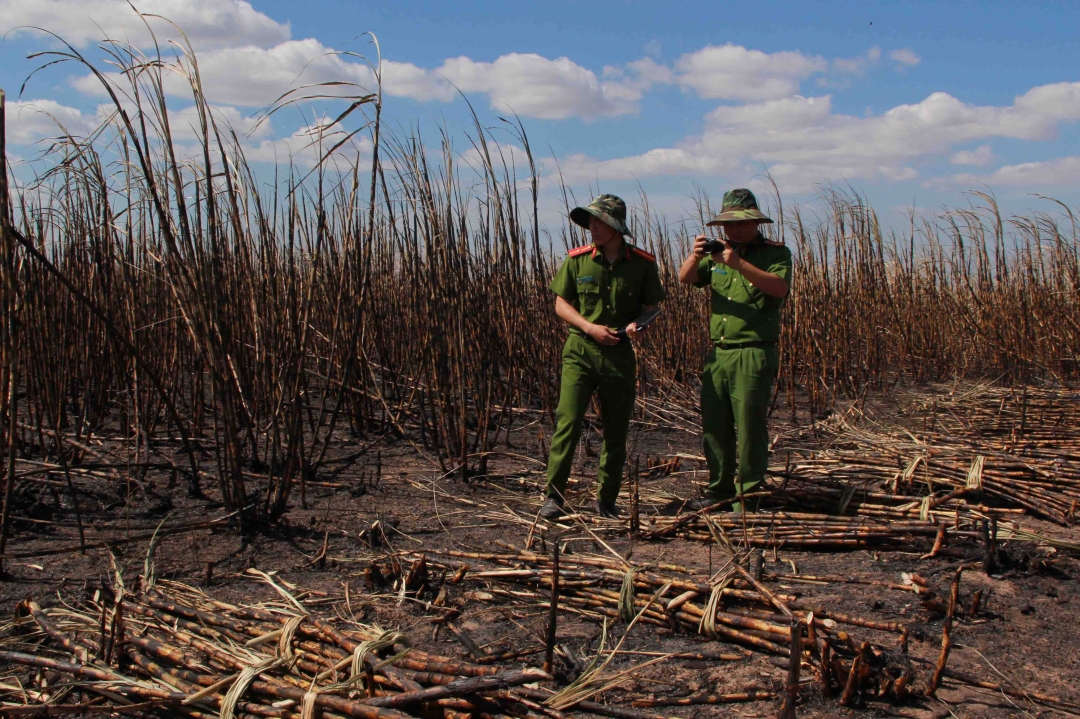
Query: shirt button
729, 298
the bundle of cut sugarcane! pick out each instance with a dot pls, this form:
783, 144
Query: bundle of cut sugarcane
1025, 416
735, 607
596, 576
796, 530
1044, 479
836, 498
176, 650
731, 606
856, 522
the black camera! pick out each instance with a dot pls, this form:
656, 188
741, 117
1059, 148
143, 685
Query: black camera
713, 246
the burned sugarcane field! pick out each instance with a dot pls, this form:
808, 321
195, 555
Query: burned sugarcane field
442, 416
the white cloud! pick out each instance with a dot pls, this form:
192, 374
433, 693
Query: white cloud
207, 23
300, 149
857, 66
979, 157
184, 124
35, 120
1064, 171
31, 120
653, 48
657, 162
254, 77
253, 70
402, 79
247, 60
504, 157
905, 57
803, 142
633, 80
536, 86
530, 85
303, 149
733, 72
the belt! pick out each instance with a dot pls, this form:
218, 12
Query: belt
741, 345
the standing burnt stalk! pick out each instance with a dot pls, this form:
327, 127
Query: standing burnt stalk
202, 236
791, 693
260, 320
553, 610
8, 348
969, 295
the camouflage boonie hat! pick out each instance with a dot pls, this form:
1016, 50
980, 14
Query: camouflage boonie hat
609, 209
739, 205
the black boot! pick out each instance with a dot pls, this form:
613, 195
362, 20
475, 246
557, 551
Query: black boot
606, 508
552, 509
696, 505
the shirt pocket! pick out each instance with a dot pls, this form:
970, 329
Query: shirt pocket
719, 276
627, 295
591, 301
721, 286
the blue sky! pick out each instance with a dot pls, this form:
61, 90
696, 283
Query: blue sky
910, 103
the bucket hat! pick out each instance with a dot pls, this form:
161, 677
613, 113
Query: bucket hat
609, 209
739, 205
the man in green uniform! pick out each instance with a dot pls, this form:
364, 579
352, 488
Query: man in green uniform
748, 282
600, 289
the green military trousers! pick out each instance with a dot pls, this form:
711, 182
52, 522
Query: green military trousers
587, 368
736, 387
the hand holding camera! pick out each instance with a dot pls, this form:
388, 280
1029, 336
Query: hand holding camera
703, 245
721, 251
713, 246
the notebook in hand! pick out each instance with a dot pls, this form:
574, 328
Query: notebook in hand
643, 320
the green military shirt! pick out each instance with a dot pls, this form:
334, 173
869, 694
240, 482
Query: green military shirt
609, 294
742, 313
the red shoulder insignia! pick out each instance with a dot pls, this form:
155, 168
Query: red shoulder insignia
770, 243
642, 253
578, 251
